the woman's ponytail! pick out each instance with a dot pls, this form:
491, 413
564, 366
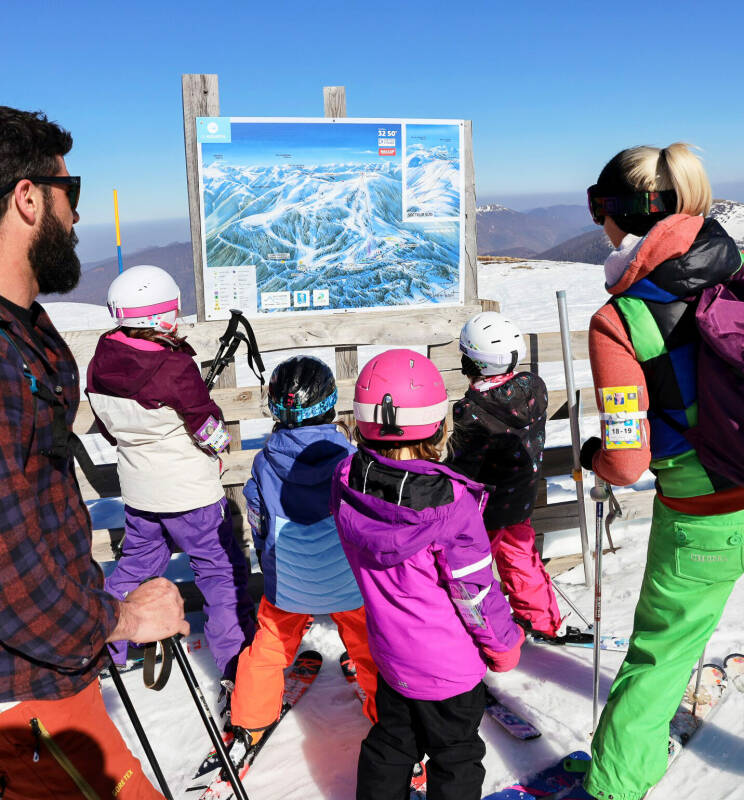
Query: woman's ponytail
680, 169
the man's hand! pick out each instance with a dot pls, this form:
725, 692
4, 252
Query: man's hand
151, 612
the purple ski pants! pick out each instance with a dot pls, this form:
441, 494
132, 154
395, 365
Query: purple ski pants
219, 568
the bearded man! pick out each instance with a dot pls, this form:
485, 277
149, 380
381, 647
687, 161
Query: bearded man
56, 739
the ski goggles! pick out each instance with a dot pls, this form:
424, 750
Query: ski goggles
70, 183
292, 414
636, 203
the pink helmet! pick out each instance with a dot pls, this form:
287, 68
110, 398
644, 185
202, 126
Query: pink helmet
400, 396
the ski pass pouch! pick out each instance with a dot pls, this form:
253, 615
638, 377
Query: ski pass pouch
622, 429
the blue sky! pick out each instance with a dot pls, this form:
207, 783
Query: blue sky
554, 90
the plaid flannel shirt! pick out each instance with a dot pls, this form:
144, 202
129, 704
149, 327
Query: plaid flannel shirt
54, 614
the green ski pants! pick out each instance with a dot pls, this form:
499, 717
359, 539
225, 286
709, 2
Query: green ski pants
692, 566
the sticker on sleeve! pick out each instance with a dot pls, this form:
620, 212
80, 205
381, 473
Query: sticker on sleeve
622, 418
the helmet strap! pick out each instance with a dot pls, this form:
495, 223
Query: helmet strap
389, 426
513, 362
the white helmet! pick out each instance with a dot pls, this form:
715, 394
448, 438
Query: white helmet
144, 297
493, 343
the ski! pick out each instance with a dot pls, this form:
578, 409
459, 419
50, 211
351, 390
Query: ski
578, 638
562, 779
733, 664
418, 781
510, 721
348, 667
694, 710
216, 787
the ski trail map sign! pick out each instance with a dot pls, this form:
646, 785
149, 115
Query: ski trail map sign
309, 215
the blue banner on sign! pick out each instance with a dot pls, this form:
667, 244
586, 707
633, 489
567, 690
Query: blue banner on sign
213, 129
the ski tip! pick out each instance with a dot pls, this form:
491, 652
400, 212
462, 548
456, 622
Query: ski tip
735, 660
309, 655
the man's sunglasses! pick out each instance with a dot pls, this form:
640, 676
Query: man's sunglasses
636, 203
70, 182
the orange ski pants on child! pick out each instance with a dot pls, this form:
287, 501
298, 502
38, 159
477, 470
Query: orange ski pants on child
524, 577
72, 750
259, 682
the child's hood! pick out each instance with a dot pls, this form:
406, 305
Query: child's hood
122, 366
404, 506
308, 455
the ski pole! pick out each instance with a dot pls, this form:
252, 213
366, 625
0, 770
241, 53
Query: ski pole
140, 731
571, 603
698, 680
573, 417
599, 493
208, 719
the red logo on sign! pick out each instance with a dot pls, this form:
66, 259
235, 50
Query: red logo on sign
387, 151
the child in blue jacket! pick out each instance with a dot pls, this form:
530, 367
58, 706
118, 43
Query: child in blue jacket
304, 566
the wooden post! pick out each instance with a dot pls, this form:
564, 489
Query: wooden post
471, 245
347, 361
334, 101
201, 99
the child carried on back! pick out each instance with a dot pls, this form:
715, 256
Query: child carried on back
414, 535
305, 569
498, 439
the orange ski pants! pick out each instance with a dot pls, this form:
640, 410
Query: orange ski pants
73, 751
259, 683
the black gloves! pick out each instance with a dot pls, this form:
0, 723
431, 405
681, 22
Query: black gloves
588, 449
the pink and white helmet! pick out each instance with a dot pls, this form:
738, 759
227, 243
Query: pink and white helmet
144, 297
399, 395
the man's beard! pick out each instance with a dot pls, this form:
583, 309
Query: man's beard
52, 255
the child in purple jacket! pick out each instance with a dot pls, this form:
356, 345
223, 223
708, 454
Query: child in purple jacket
413, 532
149, 400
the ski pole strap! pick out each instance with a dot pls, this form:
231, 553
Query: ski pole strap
148, 665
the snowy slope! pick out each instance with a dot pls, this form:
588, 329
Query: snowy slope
313, 753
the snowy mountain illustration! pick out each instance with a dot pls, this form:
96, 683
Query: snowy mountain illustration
336, 227
432, 181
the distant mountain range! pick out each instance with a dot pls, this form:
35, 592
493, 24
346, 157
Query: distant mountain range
560, 233
175, 258
555, 233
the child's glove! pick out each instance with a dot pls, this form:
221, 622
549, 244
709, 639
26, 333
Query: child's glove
213, 436
503, 662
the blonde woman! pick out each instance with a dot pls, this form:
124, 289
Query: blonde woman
643, 346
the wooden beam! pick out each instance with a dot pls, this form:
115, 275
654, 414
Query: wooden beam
334, 101
247, 402
541, 347
471, 245
201, 98
423, 326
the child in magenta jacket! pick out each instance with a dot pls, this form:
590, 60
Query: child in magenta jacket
413, 532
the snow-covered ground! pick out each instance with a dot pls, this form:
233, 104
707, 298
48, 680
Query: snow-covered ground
313, 753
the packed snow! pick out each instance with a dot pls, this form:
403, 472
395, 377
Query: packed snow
313, 752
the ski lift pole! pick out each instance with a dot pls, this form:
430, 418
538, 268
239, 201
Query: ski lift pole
207, 718
139, 730
573, 417
600, 494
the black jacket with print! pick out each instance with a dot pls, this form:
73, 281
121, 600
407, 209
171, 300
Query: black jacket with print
498, 439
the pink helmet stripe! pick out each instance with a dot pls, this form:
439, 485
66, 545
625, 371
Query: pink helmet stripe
146, 311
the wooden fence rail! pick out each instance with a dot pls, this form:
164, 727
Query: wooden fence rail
438, 330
